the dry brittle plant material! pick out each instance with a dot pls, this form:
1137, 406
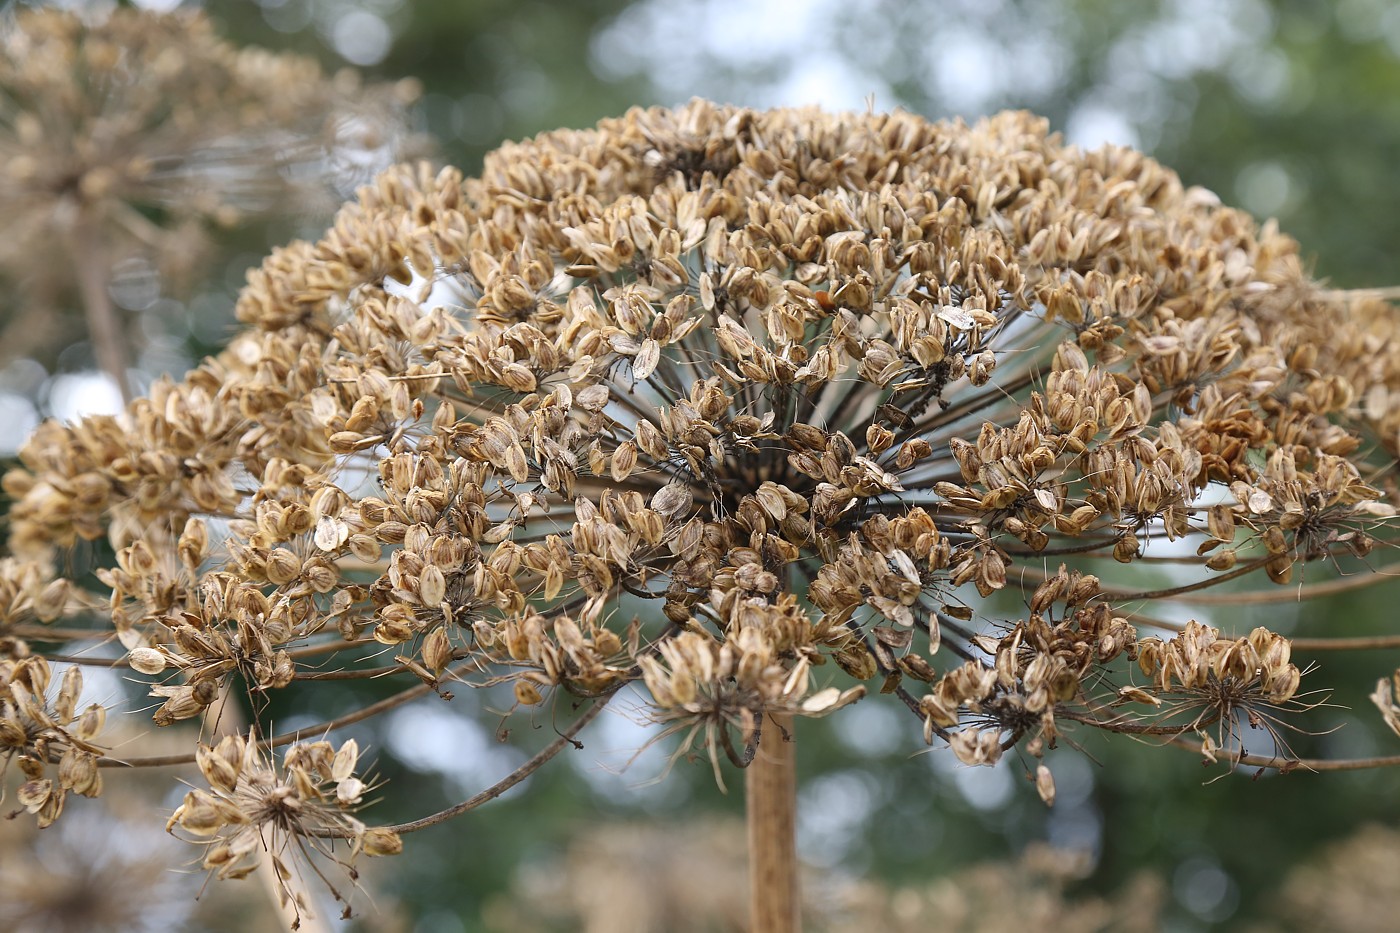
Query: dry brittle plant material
759, 411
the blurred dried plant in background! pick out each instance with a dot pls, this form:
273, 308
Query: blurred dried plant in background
690, 878
632, 878
130, 134
1029, 893
94, 871
1347, 887
702, 400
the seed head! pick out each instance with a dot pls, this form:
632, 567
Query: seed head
706, 398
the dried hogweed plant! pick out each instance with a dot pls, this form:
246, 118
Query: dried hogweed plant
702, 400
130, 134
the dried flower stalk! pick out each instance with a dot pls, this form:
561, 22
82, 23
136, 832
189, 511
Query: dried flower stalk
817, 387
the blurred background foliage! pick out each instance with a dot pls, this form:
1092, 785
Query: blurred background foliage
1289, 108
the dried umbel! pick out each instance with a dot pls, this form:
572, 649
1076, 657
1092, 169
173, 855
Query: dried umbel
50, 738
250, 808
704, 399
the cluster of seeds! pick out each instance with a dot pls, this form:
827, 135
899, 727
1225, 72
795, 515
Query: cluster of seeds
703, 399
39, 732
251, 808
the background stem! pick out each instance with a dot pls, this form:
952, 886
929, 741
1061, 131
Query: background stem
104, 327
770, 784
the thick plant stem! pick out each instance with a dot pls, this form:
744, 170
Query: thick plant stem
770, 786
104, 327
